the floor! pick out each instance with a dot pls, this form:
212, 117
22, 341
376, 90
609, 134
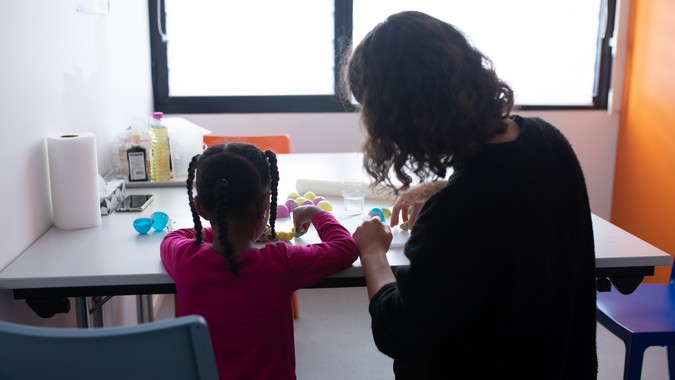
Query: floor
333, 341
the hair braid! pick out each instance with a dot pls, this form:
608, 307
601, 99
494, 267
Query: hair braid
190, 184
274, 175
222, 187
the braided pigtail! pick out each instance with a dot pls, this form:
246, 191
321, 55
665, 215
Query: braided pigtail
274, 175
190, 185
222, 192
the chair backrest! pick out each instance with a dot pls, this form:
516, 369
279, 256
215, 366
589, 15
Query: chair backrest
280, 143
169, 349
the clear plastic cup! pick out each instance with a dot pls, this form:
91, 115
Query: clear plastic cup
354, 195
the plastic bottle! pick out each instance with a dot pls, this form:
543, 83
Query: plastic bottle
136, 158
160, 152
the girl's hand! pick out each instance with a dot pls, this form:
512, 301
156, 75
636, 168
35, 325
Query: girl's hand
409, 203
373, 237
302, 217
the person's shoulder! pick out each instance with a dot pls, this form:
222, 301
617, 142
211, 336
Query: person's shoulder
532, 122
534, 125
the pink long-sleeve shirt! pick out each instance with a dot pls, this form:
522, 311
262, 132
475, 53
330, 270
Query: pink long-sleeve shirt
249, 317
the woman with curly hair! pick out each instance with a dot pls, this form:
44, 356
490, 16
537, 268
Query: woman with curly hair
501, 280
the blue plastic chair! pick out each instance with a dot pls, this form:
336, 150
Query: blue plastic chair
171, 349
641, 319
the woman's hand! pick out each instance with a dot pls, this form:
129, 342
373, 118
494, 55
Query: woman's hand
409, 203
372, 237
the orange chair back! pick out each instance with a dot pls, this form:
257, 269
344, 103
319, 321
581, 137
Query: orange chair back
277, 143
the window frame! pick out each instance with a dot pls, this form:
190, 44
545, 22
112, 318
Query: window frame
332, 103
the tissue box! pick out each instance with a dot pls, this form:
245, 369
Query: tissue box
113, 193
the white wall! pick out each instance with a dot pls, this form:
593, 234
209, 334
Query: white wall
593, 135
62, 71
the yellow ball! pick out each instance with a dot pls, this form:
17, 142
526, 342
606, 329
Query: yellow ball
310, 195
386, 212
299, 200
293, 195
285, 236
325, 205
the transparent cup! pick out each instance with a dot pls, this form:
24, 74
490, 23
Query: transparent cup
354, 195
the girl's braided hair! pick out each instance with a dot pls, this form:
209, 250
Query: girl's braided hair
230, 178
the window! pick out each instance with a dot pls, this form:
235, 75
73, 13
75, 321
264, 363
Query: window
212, 56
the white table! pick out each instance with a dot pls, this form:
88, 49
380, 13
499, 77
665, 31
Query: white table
112, 259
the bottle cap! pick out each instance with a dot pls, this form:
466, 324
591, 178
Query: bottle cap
157, 115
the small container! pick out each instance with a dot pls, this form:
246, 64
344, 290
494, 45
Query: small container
137, 160
159, 220
142, 225
354, 195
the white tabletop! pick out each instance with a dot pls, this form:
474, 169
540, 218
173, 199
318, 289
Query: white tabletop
114, 254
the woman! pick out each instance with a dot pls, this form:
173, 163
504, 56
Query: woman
501, 278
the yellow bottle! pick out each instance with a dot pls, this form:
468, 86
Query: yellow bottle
160, 152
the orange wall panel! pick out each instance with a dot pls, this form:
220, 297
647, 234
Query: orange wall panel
644, 186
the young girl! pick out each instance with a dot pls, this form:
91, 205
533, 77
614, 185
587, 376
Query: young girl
242, 291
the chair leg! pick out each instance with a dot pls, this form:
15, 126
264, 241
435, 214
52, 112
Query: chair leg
294, 305
671, 361
633, 361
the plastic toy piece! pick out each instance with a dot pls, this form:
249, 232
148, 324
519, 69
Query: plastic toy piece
404, 226
283, 211
286, 236
291, 204
325, 205
281, 235
142, 225
159, 220
376, 212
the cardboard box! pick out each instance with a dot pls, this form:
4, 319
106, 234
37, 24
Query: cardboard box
113, 193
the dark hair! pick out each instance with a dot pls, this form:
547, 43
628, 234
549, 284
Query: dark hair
230, 178
428, 99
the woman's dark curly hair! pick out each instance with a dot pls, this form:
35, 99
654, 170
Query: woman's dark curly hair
428, 99
230, 178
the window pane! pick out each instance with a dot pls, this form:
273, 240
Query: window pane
249, 48
546, 50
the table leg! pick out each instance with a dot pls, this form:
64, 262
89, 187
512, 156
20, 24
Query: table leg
144, 308
82, 312
97, 310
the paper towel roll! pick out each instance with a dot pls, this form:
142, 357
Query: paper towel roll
332, 188
73, 176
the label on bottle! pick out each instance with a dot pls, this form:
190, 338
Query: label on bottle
137, 165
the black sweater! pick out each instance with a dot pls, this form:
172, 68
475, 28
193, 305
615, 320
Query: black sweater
501, 278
